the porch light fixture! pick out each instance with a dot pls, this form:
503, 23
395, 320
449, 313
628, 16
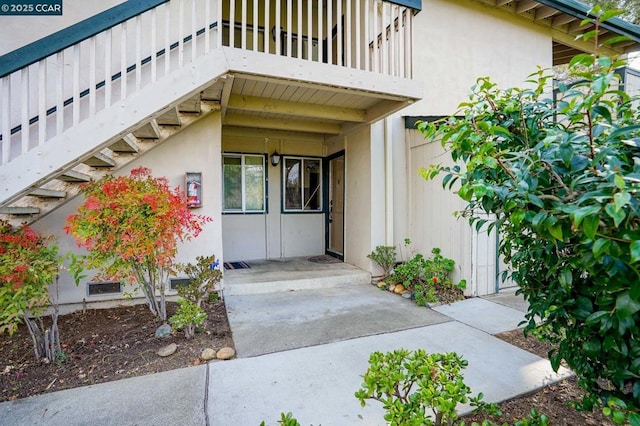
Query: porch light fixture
275, 158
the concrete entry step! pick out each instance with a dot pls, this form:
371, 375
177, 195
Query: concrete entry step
291, 274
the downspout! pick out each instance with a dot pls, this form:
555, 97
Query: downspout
388, 190
474, 262
497, 260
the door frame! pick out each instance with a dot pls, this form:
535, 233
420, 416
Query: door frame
326, 183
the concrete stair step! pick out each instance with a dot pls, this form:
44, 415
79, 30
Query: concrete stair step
257, 280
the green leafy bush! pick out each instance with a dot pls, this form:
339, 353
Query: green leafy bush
429, 278
385, 257
417, 388
187, 317
285, 420
562, 177
203, 277
28, 266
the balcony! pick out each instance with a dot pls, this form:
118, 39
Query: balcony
72, 102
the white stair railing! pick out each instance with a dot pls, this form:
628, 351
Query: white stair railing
76, 73
45, 97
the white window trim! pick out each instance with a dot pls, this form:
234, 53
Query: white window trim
302, 182
243, 191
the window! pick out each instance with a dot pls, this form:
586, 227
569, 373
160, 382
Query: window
302, 184
243, 178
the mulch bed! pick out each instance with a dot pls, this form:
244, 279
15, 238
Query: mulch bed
112, 344
552, 400
104, 345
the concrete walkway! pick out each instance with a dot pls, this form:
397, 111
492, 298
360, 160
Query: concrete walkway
317, 381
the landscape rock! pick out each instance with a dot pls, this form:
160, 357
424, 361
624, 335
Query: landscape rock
398, 289
208, 354
163, 331
406, 294
167, 350
226, 353
392, 287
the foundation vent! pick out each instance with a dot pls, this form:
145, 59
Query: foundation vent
103, 288
178, 283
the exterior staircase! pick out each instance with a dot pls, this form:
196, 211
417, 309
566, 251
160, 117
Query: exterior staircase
55, 189
86, 101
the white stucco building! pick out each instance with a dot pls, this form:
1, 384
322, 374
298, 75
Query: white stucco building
217, 87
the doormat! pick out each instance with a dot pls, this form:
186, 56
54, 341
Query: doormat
325, 258
236, 265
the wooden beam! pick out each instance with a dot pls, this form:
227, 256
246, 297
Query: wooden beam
100, 159
310, 126
226, 94
570, 40
577, 26
526, 5
274, 106
545, 12
247, 132
20, 211
126, 144
74, 177
563, 19
170, 117
47, 193
149, 130
190, 105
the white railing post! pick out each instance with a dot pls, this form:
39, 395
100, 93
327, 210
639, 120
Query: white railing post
232, 19
256, 31
24, 104
138, 64
92, 75
392, 39
42, 101
409, 44
289, 30
338, 26
348, 34
366, 17
76, 84
267, 30
320, 44
329, 32
220, 25
194, 30
384, 59
376, 48
300, 35
277, 36
123, 61
167, 39
358, 45
6, 119
310, 30
60, 93
243, 25
107, 68
181, 34
401, 40
207, 22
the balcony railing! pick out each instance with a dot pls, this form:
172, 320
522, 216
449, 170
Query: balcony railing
57, 82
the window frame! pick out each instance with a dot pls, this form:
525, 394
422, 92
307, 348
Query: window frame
265, 181
283, 189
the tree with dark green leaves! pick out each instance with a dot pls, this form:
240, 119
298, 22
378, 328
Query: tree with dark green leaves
630, 8
561, 178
